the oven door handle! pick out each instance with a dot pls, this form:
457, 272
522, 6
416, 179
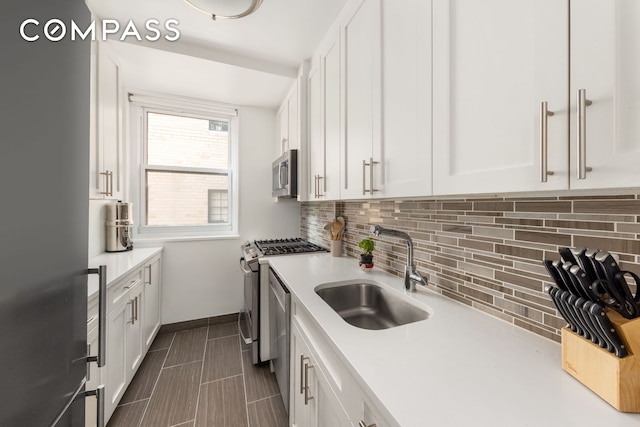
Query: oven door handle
243, 267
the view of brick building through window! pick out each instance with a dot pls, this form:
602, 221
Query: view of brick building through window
176, 193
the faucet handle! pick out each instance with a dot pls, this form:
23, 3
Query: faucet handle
417, 277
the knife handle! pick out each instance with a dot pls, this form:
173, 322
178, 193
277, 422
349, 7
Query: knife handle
596, 335
567, 255
605, 342
564, 297
560, 307
612, 335
565, 283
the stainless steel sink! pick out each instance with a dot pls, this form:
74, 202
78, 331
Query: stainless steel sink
370, 306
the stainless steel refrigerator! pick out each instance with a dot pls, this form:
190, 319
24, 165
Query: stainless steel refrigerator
44, 176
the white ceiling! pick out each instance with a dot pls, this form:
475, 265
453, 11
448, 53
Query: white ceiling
249, 61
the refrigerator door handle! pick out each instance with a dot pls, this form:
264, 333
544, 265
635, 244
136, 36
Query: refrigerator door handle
102, 316
100, 395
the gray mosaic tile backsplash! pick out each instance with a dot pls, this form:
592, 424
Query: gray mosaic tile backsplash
487, 252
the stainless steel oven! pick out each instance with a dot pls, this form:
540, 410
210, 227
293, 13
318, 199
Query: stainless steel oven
255, 269
251, 273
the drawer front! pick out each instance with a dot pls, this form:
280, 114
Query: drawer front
328, 361
118, 292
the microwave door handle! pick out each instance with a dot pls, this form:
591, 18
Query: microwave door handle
283, 176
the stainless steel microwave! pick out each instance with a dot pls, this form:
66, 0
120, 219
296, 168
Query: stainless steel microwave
284, 175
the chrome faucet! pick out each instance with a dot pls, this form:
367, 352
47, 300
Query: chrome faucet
411, 275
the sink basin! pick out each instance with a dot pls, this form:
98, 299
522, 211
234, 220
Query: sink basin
369, 306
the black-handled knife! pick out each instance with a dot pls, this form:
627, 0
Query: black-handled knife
597, 268
566, 280
607, 327
597, 336
585, 263
606, 342
577, 284
567, 255
568, 298
562, 309
585, 283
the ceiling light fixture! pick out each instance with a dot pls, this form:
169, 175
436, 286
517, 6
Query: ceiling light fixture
227, 9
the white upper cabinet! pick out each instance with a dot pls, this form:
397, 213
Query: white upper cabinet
360, 160
106, 171
406, 95
494, 63
605, 63
324, 120
287, 118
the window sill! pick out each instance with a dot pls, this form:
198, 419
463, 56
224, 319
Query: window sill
148, 240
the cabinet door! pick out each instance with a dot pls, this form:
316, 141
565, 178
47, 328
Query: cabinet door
494, 63
116, 377
294, 119
321, 407
330, 65
360, 35
283, 135
406, 91
316, 143
299, 413
324, 120
106, 148
605, 62
326, 409
134, 340
152, 301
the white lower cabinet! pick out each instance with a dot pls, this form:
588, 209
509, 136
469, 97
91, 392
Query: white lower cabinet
152, 300
133, 320
323, 392
313, 402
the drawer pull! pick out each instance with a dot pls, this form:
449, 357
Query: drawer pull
102, 315
544, 137
307, 397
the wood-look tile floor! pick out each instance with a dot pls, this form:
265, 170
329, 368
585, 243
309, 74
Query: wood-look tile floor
201, 377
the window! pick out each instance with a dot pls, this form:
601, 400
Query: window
187, 184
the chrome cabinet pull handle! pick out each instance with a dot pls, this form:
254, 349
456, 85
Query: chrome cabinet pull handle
320, 192
100, 359
371, 163
583, 103
106, 191
148, 268
544, 134
130, 303
302, 365
100, 396
307, 397
316, 188
136, 310
363, 424
364, 177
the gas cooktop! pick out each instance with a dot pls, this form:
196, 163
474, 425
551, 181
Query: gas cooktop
296, 245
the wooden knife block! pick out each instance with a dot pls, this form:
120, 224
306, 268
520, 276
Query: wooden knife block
616, 380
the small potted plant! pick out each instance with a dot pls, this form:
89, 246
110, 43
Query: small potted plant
366, 258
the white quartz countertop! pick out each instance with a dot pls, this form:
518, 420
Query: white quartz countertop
460, 367
118, 265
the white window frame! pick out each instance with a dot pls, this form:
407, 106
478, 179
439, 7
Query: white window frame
140, 105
